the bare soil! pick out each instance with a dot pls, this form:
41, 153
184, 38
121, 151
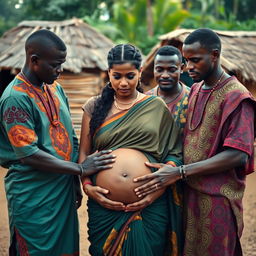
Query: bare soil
4, 228
248, 239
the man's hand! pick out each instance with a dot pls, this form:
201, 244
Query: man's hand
97, 162
99, 195
146, 201
162, 178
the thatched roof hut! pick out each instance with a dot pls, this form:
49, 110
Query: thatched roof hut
86, 62
237, 58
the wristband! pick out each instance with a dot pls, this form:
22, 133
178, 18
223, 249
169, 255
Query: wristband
183, 174
82, 171
87, 182
171, 163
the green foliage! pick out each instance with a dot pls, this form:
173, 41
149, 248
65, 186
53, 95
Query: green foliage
5, 25
9, 16
220, 16
139, 22
167, 16
55, 9
131, 19
52, 9
109, 29
242, 10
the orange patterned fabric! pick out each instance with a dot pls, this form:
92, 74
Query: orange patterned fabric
21, 136
60, 141
38, 118
31, 92
48, 102
112, 239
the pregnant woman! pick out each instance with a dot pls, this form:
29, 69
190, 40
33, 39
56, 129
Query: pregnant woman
139, 129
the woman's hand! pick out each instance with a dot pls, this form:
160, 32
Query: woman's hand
146, 201
162, 178
97, 162
99, 195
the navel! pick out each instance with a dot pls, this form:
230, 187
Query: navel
124, 175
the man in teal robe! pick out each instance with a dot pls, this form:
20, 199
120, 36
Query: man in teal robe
39, 147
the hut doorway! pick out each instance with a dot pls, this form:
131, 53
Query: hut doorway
5, 78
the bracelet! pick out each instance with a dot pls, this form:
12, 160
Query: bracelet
183, 174
171, 163
86, 182
180, 170
82, 171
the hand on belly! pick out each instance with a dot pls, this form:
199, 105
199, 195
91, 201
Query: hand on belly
119, 179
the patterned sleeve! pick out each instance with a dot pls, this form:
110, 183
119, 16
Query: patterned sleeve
19, 125
240, 128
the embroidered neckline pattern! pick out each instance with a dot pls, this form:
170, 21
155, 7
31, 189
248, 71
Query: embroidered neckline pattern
190, 122
48, 103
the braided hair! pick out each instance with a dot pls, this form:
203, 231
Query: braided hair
120, 54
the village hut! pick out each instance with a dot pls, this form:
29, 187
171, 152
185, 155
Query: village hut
84, 72
237, 58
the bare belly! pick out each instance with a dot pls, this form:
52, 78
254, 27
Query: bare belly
130, 163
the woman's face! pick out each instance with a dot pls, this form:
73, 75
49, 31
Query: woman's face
124, 79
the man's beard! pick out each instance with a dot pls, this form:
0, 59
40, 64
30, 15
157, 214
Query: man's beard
166, 89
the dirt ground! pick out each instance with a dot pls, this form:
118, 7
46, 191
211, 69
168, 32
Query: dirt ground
4, 232
248, 239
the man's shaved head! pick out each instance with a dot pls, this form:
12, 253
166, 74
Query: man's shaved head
45, 54
40, 41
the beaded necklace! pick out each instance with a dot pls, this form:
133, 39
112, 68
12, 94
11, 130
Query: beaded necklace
190, 126
167, 100
130, 103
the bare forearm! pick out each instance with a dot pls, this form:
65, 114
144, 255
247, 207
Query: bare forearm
167, 175
223, 161
46, 162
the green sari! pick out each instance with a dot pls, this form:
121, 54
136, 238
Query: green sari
148, 127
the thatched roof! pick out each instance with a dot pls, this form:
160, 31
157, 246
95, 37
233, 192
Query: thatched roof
86, 47
238, 52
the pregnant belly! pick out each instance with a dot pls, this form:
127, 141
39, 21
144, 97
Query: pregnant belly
130, 163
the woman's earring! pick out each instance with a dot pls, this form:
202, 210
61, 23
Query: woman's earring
109, 85
139, 84
139, 87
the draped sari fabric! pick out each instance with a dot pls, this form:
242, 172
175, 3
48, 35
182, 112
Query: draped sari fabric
178, 106
149, 128
217, 120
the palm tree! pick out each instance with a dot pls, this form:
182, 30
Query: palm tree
142, 21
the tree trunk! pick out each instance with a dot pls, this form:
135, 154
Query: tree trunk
150, 19
235, 7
